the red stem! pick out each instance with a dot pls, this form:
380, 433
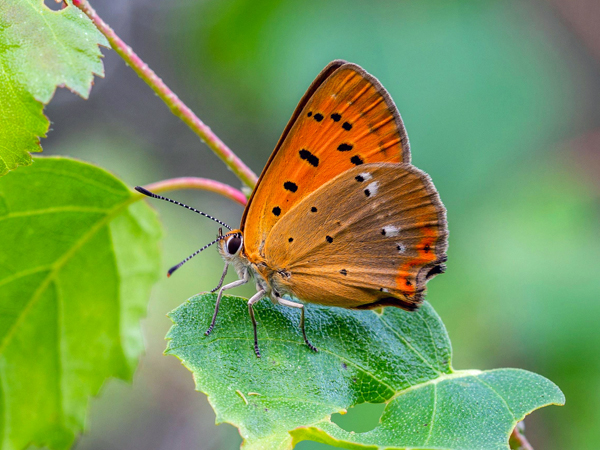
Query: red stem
519, 439
198, 183
170, 98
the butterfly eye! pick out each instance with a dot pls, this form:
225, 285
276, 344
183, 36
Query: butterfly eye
233, 244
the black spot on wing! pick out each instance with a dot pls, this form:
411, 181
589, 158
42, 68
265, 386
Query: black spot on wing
309, 114
344, 272
356, 160
367, 192
309, 157
359, 178
336, 117
289, 186
318, 117
329, 239
347, 126
345, 147
291, 240
277, 210
313, 209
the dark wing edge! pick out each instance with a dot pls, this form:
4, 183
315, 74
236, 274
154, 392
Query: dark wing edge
428, 271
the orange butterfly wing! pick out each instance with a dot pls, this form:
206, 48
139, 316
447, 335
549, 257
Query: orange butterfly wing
377, 244
345, 119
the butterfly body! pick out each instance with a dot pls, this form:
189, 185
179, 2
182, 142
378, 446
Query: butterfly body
339, 216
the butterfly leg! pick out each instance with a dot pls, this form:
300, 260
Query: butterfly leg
285, 302
224, 288
222, 278
256, 297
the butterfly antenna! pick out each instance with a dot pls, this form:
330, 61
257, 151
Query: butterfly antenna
174, 268
160, 197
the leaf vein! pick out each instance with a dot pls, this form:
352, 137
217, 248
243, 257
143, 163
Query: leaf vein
432, 420
409, 345
84, 180
437, 356
443, 377
23, 273
58, 209
58, 264
499, 396
359, 367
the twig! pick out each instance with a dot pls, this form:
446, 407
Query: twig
517, 439
170, 98
198, 183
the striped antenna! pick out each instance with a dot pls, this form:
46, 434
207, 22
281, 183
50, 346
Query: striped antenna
174, 268
160, 197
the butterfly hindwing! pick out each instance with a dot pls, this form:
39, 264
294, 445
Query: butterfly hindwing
371, 237
346, 119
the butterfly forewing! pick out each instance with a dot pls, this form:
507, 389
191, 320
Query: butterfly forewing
370, 237
345, 120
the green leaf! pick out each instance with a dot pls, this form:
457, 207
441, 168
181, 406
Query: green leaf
78, 258
397, 357
40, 49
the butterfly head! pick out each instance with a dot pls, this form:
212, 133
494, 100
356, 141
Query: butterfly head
230, 244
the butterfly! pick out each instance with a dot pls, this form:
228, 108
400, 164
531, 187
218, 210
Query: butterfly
339, 216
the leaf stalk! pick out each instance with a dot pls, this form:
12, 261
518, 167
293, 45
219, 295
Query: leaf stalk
517, 439
205, 184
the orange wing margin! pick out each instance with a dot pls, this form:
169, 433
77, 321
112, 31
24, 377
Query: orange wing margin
345, 119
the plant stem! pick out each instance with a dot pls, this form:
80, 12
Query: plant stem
177, 107
518, 440
198, 183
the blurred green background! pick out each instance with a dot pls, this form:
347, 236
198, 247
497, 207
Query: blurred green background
501, 100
